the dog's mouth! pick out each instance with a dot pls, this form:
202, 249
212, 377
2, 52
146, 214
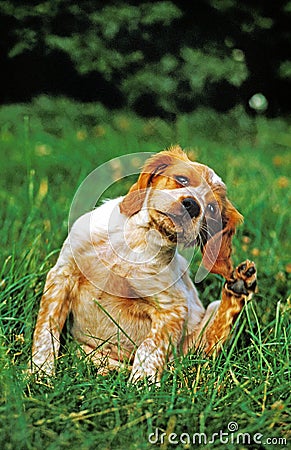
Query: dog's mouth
176, 228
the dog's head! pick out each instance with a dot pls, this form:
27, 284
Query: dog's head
186, 202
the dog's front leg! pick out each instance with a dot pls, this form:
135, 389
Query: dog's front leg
53, 311
165, 335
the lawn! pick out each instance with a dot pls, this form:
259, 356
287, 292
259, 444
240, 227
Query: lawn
48, 147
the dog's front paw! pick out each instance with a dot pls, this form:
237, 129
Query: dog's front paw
244, 280
148, 363
148, 377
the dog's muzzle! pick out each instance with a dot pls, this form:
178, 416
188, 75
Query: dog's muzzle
192, 207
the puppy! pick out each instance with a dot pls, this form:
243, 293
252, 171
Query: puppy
127, 287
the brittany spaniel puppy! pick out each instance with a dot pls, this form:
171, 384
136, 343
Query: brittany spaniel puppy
125, 284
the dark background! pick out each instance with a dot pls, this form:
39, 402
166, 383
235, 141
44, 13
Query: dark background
157, 58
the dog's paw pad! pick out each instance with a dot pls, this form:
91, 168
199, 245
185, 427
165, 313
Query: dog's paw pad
237, 287
244, 279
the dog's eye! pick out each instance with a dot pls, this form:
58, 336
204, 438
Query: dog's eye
212, 208
184, 181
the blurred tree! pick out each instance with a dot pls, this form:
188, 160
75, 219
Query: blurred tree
158, 57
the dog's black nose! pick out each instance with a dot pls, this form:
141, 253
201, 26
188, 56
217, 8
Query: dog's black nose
191, 206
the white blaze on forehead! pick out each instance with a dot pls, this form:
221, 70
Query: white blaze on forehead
215, 178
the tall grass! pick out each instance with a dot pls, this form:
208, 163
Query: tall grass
47, 149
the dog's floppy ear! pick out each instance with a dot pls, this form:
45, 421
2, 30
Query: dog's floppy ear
154, 166
134, 199
217, 248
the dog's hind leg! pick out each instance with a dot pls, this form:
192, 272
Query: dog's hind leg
102, 359
235, 293
220, 316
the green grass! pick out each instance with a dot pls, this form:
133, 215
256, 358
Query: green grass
47, 149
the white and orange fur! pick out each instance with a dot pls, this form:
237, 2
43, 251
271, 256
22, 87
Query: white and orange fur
121, 277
